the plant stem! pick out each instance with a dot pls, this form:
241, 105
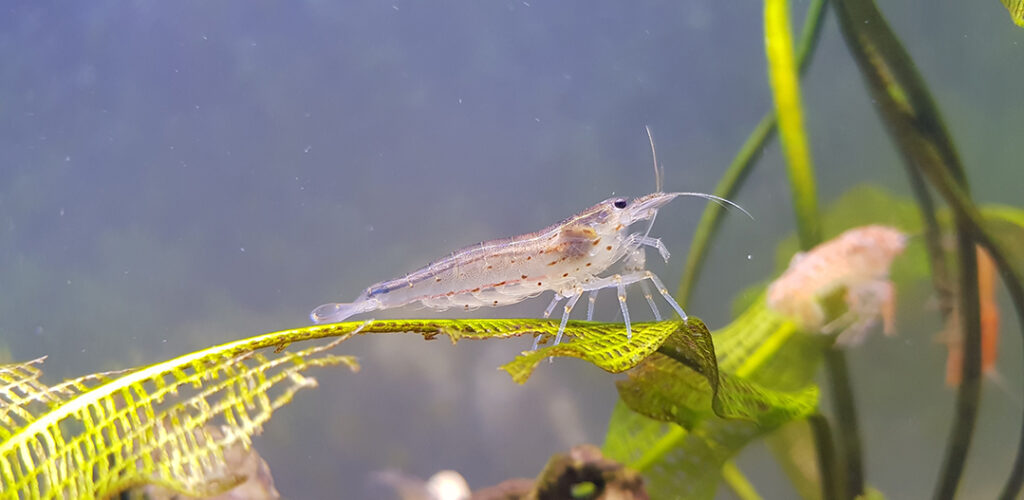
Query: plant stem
785, 84
830, 482
851, 476
738, 482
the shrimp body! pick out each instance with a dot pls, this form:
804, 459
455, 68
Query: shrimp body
568, 258
857, 260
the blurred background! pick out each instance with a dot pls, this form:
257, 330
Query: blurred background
181, 174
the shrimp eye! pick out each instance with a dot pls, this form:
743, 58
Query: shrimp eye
619, 203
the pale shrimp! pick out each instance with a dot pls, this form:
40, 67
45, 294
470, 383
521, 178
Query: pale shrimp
567, 258
858, 261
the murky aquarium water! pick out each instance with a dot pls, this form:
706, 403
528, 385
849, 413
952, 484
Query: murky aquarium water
180, 175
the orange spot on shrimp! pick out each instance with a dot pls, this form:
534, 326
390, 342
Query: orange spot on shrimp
477, 289
495, 302
596, 242
565, 275
589, 264
553, 262
438, 279
609, 248
500, 284
528, 257
523, 276
540, 284
490, 267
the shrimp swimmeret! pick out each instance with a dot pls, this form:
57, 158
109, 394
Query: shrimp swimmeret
567, 258
859, 260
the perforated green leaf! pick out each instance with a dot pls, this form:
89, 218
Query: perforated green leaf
146, 426
170, 423
607, 346
1016, 9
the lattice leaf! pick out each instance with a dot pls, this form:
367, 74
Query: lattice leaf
607, 346
153, 425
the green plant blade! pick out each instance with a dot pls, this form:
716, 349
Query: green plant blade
681, 463
100, 434
606, 345
665, 390
150, 426
1016, 9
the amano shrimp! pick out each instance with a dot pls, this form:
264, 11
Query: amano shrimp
859, 260
569, 258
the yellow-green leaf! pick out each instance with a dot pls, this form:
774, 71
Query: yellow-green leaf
607, 346
1016, 8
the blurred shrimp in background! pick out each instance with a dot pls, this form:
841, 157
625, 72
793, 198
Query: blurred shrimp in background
953, 337
858, 260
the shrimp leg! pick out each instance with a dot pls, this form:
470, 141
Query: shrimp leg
664, 293
551, 306
565, 315
650, 300
547, 314
591, 299
634, 263
622, 304
619, 281
636, 240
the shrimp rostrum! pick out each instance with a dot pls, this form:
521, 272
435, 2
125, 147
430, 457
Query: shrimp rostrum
590, 251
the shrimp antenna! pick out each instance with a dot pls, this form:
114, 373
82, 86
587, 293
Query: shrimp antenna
658, 171
657, 176
719, 200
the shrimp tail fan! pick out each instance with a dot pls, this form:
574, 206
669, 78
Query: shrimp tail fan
339, 311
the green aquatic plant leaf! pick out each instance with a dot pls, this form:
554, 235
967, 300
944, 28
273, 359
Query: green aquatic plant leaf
766, 369
607, 346
170, 423
1016, 8
663, 389
98, 435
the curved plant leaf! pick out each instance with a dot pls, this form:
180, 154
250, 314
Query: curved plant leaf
147, 426
665, 390
1016, 8
170, 423
765, 369
607, 346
